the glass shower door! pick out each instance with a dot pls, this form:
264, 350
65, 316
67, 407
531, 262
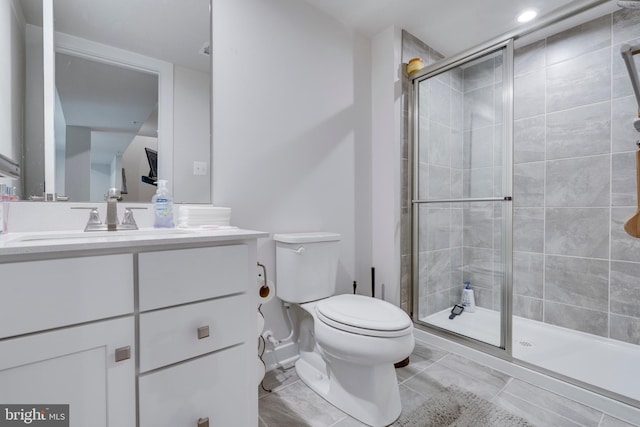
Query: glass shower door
461, 196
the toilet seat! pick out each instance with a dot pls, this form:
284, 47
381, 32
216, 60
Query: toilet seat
363, 315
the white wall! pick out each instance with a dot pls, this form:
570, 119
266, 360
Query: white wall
386, 161
78, 163
191, 128
291, 130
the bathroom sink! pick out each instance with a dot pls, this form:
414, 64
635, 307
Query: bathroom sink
56, 237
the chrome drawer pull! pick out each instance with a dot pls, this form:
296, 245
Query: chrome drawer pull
123, 353
203, 422
203, 332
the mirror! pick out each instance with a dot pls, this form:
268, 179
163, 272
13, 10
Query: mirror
129, 75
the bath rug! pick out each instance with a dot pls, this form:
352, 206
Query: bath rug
455, 407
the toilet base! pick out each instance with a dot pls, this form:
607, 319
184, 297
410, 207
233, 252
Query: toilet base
370, 394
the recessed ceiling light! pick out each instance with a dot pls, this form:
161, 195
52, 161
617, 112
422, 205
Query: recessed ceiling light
527, 16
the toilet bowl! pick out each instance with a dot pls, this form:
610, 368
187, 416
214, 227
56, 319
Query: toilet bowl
348, 344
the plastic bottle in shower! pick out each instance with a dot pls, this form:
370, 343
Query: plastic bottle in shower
468, 299
162, 206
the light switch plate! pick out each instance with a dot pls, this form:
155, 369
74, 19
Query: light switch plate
199, 168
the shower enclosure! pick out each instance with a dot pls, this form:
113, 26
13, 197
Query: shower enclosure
523, 174
462, 194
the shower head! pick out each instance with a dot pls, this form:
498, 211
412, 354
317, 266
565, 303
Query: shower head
629, 4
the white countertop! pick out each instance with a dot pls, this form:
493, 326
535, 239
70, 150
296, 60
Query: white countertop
25, 243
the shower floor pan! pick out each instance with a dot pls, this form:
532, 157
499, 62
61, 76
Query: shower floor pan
603, 362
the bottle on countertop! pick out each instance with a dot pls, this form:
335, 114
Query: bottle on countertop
162, 206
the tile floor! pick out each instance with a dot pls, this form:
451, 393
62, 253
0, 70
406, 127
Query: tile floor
293, 404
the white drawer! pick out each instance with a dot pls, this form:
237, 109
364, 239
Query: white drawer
179, 276
38, 295
207, 387
171, 335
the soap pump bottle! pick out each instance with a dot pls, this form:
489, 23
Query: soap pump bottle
468, 299
162, 206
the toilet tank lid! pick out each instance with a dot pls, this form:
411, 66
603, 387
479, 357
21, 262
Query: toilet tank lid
312, 237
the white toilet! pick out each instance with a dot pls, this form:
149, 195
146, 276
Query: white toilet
348, 343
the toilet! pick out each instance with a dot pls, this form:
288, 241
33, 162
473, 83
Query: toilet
348, 344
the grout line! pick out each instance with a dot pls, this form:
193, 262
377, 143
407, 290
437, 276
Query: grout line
531, 404
509, 381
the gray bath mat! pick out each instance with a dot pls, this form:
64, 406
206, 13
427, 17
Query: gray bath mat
455, 407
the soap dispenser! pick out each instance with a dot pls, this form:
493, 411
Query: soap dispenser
162, 206
468, 300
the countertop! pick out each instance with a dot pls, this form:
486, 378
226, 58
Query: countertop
27, 243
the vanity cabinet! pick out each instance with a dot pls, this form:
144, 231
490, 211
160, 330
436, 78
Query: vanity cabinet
193, 337
147, 335
55, 347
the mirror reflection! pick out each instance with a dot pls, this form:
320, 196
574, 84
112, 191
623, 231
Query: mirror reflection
130, 75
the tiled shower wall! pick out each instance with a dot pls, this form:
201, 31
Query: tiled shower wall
574, 187
574, 180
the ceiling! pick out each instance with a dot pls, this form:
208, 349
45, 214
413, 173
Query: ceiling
448, 26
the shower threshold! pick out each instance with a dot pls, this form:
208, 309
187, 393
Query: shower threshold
602, 362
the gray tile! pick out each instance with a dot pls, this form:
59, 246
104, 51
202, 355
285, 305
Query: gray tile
528, 229
439, 102
423, 356
529, 140
457, 149
581, 39
438, 270
457, 224
478, 108
478, 74
578, 182
582, 414
623, 170
439, 144
478, 182
434, 228
623, 246
623, 133
579, 81
439, 182
626, 25
625, 328
437, 302
528, 184
454, 370
529, 58
528, 274
529, 308
478, 225
478, 264
277, 379
582, 232
579, 319
534, 414
608, 421
582, 282
625, 288
529, 95
581, 131
478, 148
457, 110
297, 405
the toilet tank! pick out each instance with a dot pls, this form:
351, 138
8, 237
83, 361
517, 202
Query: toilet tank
306, 265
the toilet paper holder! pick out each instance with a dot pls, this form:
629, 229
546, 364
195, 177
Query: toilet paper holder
264, 289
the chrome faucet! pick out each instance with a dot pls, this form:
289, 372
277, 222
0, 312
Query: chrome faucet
111, 224
112, 197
